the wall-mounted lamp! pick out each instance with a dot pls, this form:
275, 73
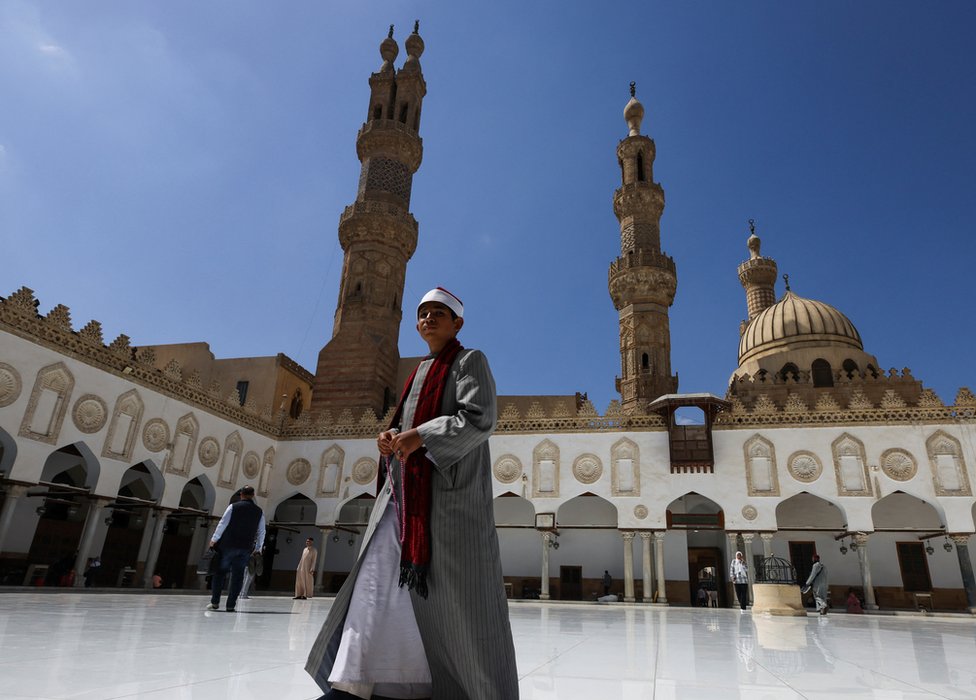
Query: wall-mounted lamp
554, 541
853, 545
929, 549
947, 546
335, 538
288, 539
41, 510
108, 520
72, 511
843, 548
351, 541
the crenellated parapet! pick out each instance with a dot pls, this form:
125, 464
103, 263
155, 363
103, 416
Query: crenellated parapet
19, 315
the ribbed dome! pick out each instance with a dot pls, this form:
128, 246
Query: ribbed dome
795, 321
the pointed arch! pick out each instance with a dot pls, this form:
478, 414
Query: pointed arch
805, 510
76, 458
511, 510
180, 456
762, 478
851, 466
899, 510
330, 472
145, 478
695, 511
588, 510
949, 474
48, 403
625, 468
230, 460
294, 508
545, 470
8, 452
198, 493
123, 427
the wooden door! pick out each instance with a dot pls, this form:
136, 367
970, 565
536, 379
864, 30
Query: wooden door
571, 582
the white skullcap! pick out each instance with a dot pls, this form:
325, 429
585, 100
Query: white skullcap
443, 296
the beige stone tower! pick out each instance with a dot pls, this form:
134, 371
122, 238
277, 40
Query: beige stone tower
643, 279
758, 276
357, 369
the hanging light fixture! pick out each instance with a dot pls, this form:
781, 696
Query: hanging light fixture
853, 545
948, 545
843, 547
929, 549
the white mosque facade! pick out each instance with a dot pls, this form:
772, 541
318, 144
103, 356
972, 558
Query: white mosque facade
132, 453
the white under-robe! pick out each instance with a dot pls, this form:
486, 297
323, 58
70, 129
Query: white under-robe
381, 651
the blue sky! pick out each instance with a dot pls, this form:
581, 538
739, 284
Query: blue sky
176, 170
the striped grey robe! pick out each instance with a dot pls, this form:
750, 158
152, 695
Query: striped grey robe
464, 620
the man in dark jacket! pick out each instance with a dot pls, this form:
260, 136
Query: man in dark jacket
239, 533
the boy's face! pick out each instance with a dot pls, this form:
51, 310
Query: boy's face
435, 325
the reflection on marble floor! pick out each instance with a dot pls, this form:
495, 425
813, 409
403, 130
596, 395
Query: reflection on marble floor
95, 646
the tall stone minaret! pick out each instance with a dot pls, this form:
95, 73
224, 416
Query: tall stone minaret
758, 277
643, 279
357, 369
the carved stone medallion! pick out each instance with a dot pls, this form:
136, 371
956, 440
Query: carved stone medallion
898, 464
155, 435
750, 512
9, 385
298, 472
89, 414
209, 451
640, 512
364, 471
587, 468
252, 465
507, 469
804, 466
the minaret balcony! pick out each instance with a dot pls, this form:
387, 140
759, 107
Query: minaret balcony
642, 258
638, 198
392, 139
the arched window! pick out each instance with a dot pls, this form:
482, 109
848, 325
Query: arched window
296, 404
872, 371
645, 362
761, 375
822, 374
621, 164
640, 167
851, 368
416, 120
377, 111
403, 113
789, 372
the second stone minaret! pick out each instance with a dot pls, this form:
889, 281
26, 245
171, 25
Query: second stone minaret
642, 280
357, 369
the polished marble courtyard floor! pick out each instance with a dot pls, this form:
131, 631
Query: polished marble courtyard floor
96, 646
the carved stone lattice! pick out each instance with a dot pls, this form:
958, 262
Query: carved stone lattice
898, 464
155, 435
795, 404
859, 400
89, 414
507, 469
60, 317
298, 471
251, 465
387, 175
892, 400
209, 451
23, 299
92, 332
173, 370
146, 356
364, 470
120, 346
587, 468
804, 466
10, 385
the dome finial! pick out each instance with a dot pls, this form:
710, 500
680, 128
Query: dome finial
388, 51
416, 26
390, 35
415, 48
634, 112
754, 241
786, 281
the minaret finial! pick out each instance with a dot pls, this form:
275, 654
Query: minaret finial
752, 226
633, 89
390, 35
416, 26
786, 281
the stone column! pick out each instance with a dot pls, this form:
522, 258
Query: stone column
966, 569
861, 540
729, 587
10, 503
647, 580
320, 562
546, 542
96, 510
747, 537
662, 594
767, 541
628, 566
154, 545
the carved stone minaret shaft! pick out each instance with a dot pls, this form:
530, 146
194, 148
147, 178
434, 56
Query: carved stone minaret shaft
758, 276
357, 369
643, 279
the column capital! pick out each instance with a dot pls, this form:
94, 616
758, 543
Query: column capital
628, 535
747, 537
17, 490
767, 536
660, 534
645, 534
960, 539
547, 536
860, 538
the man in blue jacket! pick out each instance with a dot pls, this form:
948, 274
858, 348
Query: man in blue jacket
239, 533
